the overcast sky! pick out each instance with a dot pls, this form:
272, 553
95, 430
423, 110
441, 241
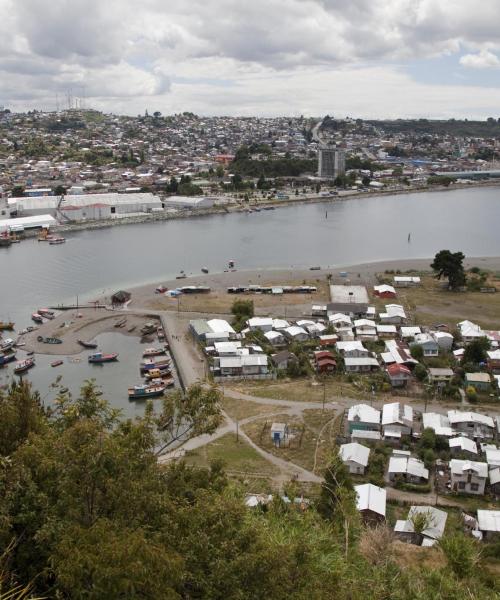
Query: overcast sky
362, 58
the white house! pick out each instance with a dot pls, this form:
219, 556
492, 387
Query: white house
408, 468
352, 349
363, 364
439, 423
409, 332
371, 502
355, 457
488, 523
275, 338
365, 329
397, 416
363, 416
463, 444
433, 532
295, 333
428, 344
472, 424
468, 477
470, 331
260, 324
394, 313
444, 340
405, 281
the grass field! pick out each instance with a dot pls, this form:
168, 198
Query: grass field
238, 457
242, 409
302, 447
431, 304
300, 390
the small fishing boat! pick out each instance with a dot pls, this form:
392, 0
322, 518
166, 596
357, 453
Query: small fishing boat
204, 270
99, 357
121, 322
7, 358
157, 373
91, 345
48, 340
231, 264
37, 318
154, 363
153, 352
24, 365
138, 392
6, 326
181, 276
56, 363
166, 380
133, 328
7, 344
148, 328
160, 333
45, 312
57, 240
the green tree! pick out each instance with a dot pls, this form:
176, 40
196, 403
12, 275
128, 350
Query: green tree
462, 553
476, 351
449, 265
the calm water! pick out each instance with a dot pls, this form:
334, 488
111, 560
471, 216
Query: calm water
113, 378
33, 274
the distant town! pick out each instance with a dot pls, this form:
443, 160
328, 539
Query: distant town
80, 167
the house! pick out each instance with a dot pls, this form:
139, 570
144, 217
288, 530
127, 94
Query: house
493, 360
440, 424
315, 329
355, 457
488, 523
397, 416
407, 468
399, 375
279, 324
463, 445
279, 433
324, 361
444, 340
363, 416
398, 352
365, 329
468, 477
404, 281
353, 349
363, 364
386, 331
433, 532
492, 457
243, 365
494, 475
409, 332
296, 334
349, 299
440, 377
340, 320
369, 437
470, 331
328, 340
394, 313
282, 359
384, 291
227, 348
263, 324
472, 424
371, 502
275, 338
481, 382
221, 326
428, 344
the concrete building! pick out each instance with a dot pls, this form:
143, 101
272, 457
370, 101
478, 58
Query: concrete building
189, 202
468, 476
331, 162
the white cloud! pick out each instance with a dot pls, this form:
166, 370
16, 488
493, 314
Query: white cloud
482, 60
264, 55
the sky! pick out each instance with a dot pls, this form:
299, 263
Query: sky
358, 58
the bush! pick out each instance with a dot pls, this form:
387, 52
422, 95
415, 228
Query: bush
423, 488
471, 394
420, 372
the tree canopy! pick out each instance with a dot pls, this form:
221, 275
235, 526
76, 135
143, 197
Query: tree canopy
449, 265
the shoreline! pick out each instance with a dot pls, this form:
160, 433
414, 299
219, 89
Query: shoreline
275, 203
145, 303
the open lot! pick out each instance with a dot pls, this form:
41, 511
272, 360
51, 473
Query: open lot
242, 409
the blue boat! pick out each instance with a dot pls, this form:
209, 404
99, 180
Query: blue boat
7, 358
99, 357
139, 392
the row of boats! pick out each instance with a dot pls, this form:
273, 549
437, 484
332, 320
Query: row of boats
155, 367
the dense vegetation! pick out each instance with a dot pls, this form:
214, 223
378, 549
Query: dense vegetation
87, 511
453, 127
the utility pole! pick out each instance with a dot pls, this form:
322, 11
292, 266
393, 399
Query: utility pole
324, 395
237, 430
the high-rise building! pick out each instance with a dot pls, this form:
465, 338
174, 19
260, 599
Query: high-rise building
331, 162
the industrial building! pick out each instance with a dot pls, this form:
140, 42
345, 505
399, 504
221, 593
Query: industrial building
23, 223
189, 202
81, 207
331, 162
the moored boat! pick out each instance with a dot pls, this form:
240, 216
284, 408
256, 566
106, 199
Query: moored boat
99, 357
48, 340
154, 363
153, 352
7, 344
139, 392
167, 381
24, 365
7, 358
45, 312
37, 318
157, 374
204, 270
91, 345
6, 326
56, 363
57, 240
